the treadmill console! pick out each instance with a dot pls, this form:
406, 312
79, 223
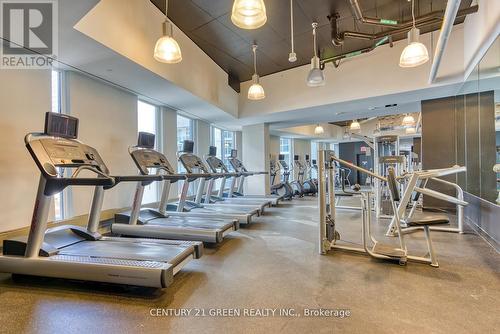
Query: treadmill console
216, 163
60, 125
212, 151
146, 140
237, 165
192, 163
146, 158
58, 147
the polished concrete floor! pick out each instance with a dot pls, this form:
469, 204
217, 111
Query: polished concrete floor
275, 264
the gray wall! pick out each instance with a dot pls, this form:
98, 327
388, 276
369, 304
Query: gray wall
349, 152
460, 130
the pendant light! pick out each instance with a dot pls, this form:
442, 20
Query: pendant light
408, 120
318, 130
315, 77
249, 14
166, 49
256, 91
355, 125
292, 57
346, 134
415, 53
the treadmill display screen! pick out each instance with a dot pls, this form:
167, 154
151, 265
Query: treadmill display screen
146, 140
60, 125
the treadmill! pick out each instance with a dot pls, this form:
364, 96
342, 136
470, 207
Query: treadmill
155, 223
81, 253
217, 165
244, 173
196, 169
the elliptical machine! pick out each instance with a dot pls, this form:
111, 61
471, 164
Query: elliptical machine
309, 185
297, 186
283, 188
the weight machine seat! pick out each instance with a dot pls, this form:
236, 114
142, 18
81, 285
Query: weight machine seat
428, 219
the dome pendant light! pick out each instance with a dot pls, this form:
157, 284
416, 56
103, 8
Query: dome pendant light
318, 130
355, 125
316, 76
408, 120
292, 57
415, 53
167, 49
256, 91
249, 14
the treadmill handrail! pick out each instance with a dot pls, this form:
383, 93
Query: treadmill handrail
144, 179
174, 177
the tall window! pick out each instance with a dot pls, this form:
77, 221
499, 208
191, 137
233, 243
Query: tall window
56, 107
216, 140
286, 150
185, 131
147, 121
228, 143
225, 142
314, 151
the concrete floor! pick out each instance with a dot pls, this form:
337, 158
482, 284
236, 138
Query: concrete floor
275, 264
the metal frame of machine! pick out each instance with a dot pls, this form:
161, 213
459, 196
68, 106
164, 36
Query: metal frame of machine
156, 223
328, 235
82, 253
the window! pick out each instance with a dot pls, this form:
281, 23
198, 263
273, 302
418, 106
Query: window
228, 143
314, 151
147, 121
286, 150
225, 142
217, 141
185, 131
56, 107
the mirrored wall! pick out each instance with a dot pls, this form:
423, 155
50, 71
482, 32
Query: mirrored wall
477, 118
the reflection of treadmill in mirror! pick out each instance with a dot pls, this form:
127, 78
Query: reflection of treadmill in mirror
237, 187
218, 166
194, 168
154, 223
77, 252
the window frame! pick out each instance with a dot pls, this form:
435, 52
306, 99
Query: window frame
192, 132
222, 152
158, 142
60, 199
289, 161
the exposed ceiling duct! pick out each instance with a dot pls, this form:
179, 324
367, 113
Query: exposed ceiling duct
422, 21
338, 38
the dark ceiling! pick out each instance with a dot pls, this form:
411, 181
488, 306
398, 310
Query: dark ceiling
208, 24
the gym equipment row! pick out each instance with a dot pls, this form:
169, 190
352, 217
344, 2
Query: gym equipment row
149, 246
